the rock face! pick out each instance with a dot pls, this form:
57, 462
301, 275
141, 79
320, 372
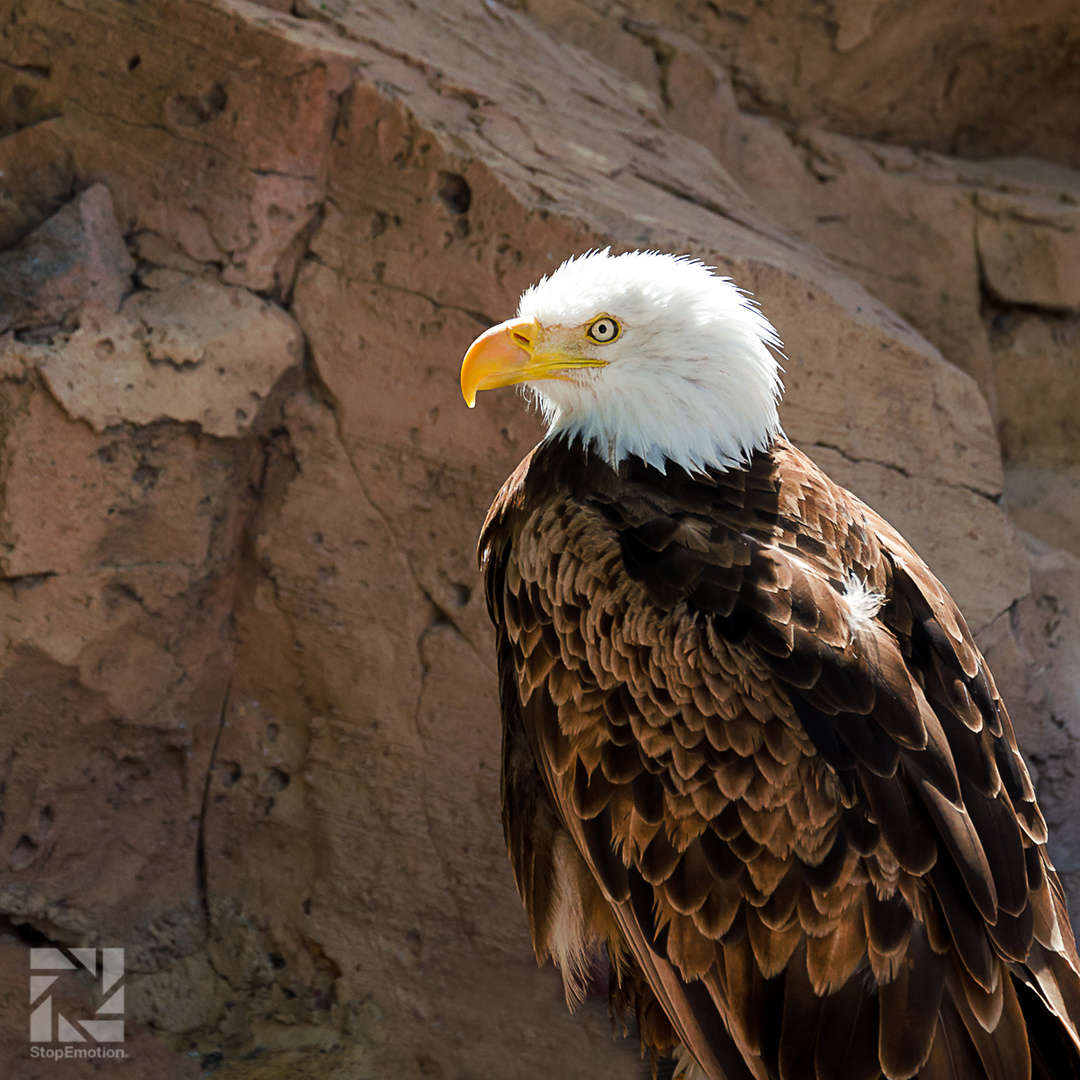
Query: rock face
957, 77
77, 257
246, 678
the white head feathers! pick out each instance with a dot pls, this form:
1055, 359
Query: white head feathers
692, 376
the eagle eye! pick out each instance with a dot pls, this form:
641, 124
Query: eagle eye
603, 329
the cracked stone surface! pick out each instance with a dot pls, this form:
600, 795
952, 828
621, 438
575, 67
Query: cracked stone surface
249, 709
1037, 367
75, 257
35, 180
1035, 652
1029, 249
895, 219
193, 351
954, 77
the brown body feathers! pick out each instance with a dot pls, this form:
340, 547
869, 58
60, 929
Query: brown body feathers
750, 745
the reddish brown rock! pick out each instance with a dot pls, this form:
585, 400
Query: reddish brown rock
192, 351
1044, 501
954, 77
143, 1056
119, 688
1029, 249
76, 257
1037, 371
35, 179
900, 223
223, 156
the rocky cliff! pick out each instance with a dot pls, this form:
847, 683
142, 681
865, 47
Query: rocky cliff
249, 729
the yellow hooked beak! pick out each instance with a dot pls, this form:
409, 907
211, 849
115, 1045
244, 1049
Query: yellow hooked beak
506, 355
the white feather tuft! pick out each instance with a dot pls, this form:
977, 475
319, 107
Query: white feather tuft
693, 378
686, 1068
573, 946
863, 604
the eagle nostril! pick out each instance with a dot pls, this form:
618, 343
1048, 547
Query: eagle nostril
521, 340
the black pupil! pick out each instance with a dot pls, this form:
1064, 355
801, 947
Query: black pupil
603, 329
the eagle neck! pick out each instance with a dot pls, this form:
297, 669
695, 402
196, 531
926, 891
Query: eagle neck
563, 461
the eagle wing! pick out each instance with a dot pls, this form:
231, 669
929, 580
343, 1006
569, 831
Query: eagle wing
750, 743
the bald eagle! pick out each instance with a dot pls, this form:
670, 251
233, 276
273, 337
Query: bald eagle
749, 744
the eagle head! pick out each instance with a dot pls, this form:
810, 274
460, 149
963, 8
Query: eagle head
640, 354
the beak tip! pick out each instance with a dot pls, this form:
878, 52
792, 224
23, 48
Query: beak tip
495, 359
